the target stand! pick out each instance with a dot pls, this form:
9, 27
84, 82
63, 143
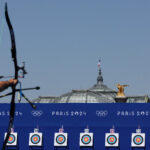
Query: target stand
36, 140
112, 141
138, 141
12, 141
61, 141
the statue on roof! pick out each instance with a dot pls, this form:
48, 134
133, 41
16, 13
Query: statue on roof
121, 90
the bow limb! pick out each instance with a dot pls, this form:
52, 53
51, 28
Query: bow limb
14, 58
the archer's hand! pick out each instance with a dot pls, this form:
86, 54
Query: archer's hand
5, 84
13, 82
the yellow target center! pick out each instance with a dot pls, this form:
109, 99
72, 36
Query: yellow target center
111, 139
138, 140
10, 138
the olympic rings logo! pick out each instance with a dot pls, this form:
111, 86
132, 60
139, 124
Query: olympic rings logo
37, 113
101, 113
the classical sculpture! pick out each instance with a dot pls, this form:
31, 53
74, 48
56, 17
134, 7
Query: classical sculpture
121, 90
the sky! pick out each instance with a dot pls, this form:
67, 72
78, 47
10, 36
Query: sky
61, 42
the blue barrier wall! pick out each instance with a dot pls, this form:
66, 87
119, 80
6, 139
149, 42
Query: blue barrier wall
75, 117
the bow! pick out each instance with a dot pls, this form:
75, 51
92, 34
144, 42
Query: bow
14, 58
17, 69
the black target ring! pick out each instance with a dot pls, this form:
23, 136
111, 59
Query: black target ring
60, 139
35, 139
86, 139
138, 140
11, 139
111, 139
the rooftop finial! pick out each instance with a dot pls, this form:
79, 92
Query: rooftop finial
99, 78
99, 64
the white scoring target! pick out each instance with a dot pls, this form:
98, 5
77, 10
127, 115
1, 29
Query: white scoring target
138, 140
12, 140
86, 139
112, 140
35, 139
60, 139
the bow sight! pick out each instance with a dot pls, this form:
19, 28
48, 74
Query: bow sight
23, 72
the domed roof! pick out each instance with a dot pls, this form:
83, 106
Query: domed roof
100, 86
99, 93
86, 96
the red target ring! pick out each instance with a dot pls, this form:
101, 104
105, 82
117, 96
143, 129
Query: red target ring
112, 139
86, 139
11, 139
35, 139
60, 139
138, 140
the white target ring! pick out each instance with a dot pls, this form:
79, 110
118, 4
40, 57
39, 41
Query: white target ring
12, 140
112, 140
86, 139
35, 139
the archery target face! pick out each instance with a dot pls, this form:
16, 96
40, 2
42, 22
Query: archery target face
35, 139
112, 139
86, 139
60, 139
138, 140
12, 141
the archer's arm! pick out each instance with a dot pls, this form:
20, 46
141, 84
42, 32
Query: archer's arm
5, 84
125, 85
